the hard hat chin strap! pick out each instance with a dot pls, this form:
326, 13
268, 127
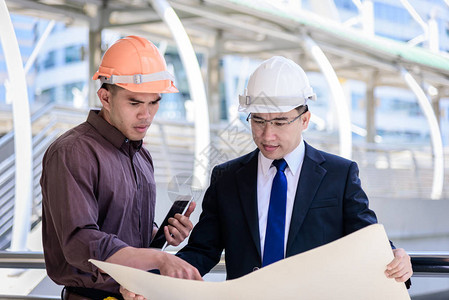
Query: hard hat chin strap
137, 78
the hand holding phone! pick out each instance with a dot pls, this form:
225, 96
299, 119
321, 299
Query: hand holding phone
180, 206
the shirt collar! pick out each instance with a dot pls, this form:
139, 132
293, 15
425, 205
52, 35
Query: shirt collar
109, 132
294, 159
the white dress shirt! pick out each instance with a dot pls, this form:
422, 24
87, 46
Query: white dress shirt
265, 175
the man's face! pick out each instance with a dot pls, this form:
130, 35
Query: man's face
277, 141
129, 112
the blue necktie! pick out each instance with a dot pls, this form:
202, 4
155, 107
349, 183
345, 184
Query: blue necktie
274, 236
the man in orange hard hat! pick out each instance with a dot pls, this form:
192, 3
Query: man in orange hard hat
98, 188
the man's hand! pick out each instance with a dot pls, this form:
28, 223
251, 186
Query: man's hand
180, 227
400, 268
169, 265
174, 266
150, 259
128, 295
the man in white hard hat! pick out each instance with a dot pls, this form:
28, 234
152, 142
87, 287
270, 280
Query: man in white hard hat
98, 188
285, 197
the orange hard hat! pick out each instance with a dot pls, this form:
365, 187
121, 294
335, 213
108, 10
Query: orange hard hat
135, 64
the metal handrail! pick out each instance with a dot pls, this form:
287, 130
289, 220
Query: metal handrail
425, 263
36, 115
7, 170
430, 264
22, 260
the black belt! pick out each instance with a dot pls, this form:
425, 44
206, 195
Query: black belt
79, 293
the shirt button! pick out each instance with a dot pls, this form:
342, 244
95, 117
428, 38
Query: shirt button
255, 269
126, 140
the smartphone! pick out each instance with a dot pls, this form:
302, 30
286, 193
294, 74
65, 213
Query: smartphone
180, 206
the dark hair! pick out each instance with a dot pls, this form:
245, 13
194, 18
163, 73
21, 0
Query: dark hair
302, 109
111, 88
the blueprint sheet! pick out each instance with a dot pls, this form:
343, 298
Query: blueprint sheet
349, 268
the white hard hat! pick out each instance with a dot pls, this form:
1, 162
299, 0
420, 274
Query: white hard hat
277, 85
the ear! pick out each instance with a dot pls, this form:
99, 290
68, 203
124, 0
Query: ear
305, 119
105, 97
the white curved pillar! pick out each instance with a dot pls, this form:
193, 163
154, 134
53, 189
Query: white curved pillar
22, 131
196, 87
344, 118
435, 134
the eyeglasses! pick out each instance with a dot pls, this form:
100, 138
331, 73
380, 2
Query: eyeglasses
276, 122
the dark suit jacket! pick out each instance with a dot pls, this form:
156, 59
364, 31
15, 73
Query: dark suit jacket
329, 204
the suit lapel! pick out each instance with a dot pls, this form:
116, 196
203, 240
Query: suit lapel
309, 181
247, 186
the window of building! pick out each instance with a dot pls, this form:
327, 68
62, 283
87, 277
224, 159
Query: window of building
395, 14
73, 54
50, 60
443, 28
357, 101
346, 5
48, 95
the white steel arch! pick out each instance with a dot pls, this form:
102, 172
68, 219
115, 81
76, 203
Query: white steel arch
22, 131
196, 87
435, 134
343, 116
